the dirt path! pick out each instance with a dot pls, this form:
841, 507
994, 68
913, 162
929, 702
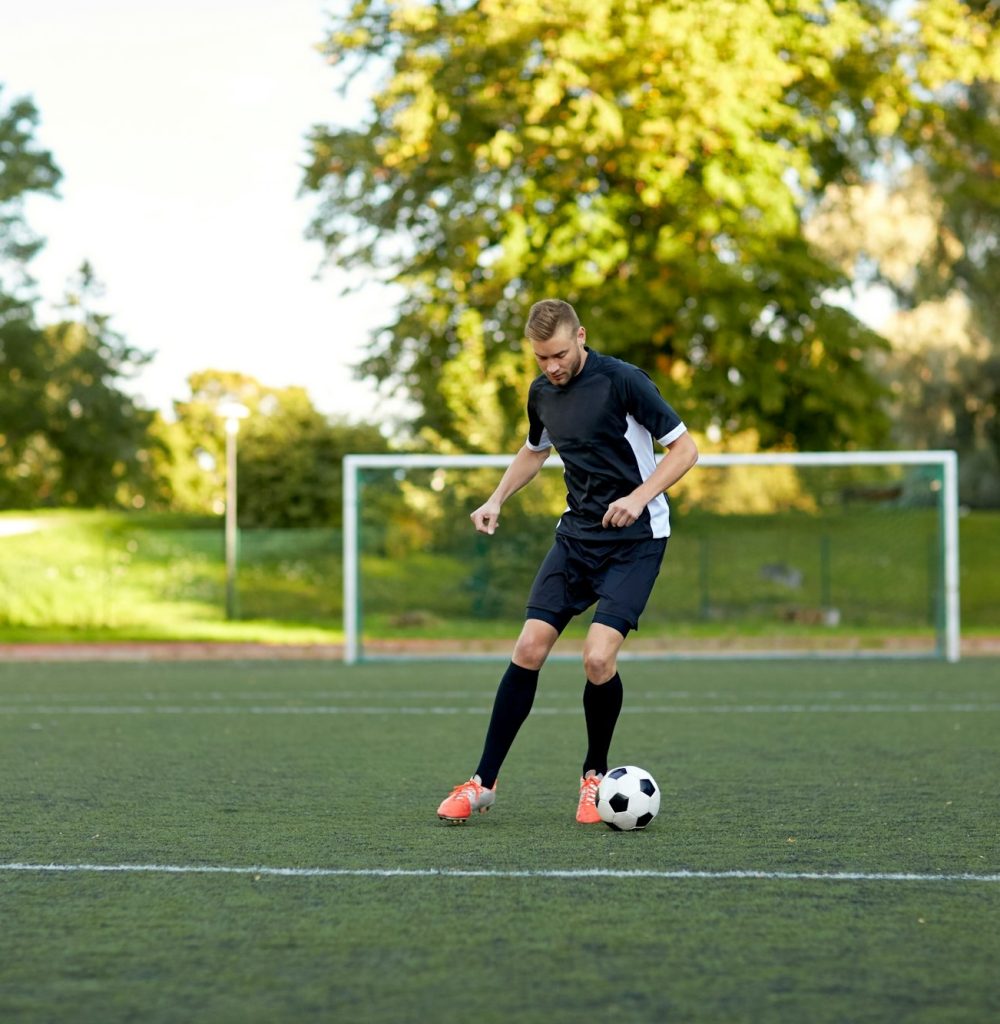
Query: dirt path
169, 651
135, 651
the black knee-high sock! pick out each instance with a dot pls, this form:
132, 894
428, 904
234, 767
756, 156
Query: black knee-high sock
601, 707
515, 695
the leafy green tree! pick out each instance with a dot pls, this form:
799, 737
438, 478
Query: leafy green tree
960, 155
942, 372
650, 162
944, 378
25, 466
926, 225
98, 429
953, 131
289, 455
291, 472
69, 434
24, 168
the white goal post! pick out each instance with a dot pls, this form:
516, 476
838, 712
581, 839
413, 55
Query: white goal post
945, 462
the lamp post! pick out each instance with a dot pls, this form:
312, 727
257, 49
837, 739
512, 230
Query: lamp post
232, 413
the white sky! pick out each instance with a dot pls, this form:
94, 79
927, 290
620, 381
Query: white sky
180, 131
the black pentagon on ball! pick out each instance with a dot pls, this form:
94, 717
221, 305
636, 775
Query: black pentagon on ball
614, 828
619, 802
618, 773
646, 786
643, 820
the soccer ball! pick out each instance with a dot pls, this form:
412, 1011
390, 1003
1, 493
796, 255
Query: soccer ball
628, 798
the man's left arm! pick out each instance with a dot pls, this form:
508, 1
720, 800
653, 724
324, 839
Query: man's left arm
681, 455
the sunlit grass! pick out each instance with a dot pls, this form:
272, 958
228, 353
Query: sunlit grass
103, 576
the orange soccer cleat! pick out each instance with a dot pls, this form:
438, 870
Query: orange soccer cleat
466, 797
586, 809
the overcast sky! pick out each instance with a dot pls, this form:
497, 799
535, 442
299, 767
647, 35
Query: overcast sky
179, 128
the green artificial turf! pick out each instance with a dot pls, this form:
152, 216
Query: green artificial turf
791, 768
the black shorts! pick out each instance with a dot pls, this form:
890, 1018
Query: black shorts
618, 575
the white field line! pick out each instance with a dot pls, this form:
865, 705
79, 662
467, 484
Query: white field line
680, 874
345, 709
287, 696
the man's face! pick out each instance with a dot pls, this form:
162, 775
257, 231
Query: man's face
561, 357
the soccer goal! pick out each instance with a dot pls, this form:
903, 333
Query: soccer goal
822, 554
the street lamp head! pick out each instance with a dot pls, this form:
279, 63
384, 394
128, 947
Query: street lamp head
232, 413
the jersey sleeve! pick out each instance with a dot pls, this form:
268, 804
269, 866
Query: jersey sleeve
538, 437
648, 407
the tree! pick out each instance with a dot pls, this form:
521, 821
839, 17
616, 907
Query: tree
926, 225
650, 162
289, 468
291, 472
942, 372
71, 435
68, 433
944, 379
960, 156
24, 168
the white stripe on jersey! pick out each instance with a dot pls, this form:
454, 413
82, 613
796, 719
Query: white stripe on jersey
673, 435
641, 443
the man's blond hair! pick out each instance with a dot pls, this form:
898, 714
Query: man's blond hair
546, 318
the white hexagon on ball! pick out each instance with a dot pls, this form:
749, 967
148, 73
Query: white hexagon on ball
628, 798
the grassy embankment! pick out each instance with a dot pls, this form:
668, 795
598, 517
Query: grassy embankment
79, 576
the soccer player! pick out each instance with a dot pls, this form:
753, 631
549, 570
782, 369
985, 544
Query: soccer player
601, 414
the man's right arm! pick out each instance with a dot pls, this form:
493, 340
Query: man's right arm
523, 469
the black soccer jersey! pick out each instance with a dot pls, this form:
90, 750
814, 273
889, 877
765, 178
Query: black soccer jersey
602, 424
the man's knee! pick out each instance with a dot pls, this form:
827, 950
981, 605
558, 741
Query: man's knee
600, 665
600, 653
534, 644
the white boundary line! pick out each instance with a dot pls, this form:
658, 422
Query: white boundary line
680, 874
337, 709
373, 693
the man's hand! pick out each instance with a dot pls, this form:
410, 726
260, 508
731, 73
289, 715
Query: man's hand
623, 512
523, 468
486, 518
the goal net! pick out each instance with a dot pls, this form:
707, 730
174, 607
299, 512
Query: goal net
771, 555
